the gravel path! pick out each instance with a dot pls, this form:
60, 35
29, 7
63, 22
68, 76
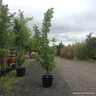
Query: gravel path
32, 83
70, 79
80, 76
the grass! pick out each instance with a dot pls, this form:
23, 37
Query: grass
91, 60
26, 63
7, 81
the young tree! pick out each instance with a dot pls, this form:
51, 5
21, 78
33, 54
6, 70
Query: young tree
46, 54
21, 30
5, 22
5, 28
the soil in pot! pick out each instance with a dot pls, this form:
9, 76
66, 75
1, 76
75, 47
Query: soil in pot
20, 71
47, 80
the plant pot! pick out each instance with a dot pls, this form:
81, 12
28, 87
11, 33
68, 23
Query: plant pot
94, 58
3, 72
8, 70
47, 80
14, 66
20, 71
0, 74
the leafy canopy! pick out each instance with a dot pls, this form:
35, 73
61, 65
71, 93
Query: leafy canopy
21, 30
5, 24
45, 55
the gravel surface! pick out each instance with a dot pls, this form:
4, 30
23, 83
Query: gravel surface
32, 83
80, 76
70, 79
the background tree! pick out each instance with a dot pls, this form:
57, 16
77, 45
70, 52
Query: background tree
21, 30
84, 50
59, 47
5, 21
33, 45
80, 50
3, 54
90, 46
5, 28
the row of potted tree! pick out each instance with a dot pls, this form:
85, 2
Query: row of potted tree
3, 55
15, 30
14, 33
5, 68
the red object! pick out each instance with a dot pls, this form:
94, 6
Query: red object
12, 60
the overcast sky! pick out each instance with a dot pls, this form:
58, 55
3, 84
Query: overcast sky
72, 21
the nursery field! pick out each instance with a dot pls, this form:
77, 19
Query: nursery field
71, 78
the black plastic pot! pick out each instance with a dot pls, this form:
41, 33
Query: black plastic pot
8, 70
94, 58
14, 66
47, 80
0, 74
3, 72
20, 71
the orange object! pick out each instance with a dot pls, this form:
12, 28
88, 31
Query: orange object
27, 56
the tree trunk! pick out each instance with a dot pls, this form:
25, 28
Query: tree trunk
2, 64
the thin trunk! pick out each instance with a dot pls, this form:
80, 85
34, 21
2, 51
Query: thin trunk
2, 64
47, 72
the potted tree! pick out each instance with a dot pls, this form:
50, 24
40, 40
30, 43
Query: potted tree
45, 55
20, 70
22, 37
3, 55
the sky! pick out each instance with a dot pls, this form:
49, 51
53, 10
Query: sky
73, 19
